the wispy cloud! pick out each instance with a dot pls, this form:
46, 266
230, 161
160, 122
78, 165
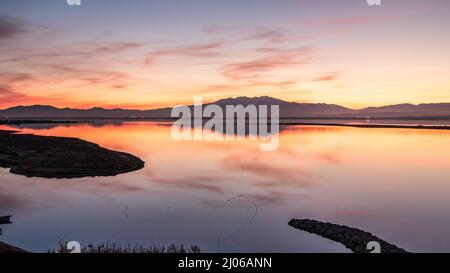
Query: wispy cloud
276, 36
7, 95
78, 65
269, 198
12, 77
116, 47
8, 81
327, 77
258, 68
206, 50
262, 34
11, 27
350, 20
195, 182
272, 172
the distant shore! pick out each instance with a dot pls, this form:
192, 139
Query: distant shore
392, 126
61, 157
282, 122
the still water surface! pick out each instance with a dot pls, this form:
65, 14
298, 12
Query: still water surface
229, 196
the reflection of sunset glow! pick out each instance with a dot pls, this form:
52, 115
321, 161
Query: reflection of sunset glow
377, 178
300, 147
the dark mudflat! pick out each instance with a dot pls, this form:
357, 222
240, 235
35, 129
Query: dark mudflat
5, 248
36, 121
4, 220
61, 157
352, 238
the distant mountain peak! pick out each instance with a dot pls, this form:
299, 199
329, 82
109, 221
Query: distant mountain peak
35, 106
287, 109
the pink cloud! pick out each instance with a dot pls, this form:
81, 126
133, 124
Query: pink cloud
196, 51
9, 98
276, 36
328, 77
117, 47
195, 182
351, 20
270, 35
256, 69
274, 174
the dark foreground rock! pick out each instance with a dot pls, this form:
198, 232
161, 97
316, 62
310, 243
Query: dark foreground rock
5, 220
352, 238
61, 157
5, 248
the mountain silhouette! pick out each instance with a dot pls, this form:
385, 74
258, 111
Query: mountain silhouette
287, 110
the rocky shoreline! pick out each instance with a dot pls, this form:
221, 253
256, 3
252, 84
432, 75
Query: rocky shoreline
352, 238
61, 157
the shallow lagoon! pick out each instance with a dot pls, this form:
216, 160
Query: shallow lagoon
229, 196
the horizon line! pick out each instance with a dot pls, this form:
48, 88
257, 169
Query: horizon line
212, 102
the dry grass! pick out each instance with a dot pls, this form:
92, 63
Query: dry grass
116, 248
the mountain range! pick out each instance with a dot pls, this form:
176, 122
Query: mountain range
287, 110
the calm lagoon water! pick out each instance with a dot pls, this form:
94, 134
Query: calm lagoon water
228, 196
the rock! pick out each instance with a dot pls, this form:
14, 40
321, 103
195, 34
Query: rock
352, 238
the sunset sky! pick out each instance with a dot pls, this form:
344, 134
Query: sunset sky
146, 53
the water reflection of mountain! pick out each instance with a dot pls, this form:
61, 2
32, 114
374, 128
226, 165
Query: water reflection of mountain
284, 124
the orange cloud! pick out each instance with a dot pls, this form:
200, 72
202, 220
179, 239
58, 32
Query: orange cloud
327, 77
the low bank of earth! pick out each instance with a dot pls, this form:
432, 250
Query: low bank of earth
5, 248
61, 157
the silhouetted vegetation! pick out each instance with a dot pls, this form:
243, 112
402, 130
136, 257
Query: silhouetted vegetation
117, 248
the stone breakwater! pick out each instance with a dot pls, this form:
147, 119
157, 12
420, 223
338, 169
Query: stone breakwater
61, 157
352, 238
